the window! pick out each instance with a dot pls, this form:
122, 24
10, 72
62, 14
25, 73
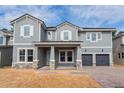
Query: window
119, 55
66, 35
69, 56
99, 35
49, 35
1, 40
30, 55
66, 56
62, 56
122, 54
25, 55
26, 30
88, 36
22, 55
93, 37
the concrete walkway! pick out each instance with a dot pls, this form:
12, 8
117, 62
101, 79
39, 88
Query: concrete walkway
109, 77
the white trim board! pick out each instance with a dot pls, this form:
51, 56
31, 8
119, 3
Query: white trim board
96, 47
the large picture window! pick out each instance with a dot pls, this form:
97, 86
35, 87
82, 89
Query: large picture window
25, 55
66, 56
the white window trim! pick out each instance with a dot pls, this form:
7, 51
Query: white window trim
50, 34
100, 34
87, 35
69, 35
66, 56
18, 60
91, 36
22, 31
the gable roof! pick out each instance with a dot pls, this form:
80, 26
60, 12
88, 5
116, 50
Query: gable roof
26, 14
6, 32
68, 23
120, 34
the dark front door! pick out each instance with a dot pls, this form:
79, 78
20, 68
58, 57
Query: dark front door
102, 59
87, 59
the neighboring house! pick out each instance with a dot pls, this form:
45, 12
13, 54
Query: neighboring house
6, 48
118, 48
35, 45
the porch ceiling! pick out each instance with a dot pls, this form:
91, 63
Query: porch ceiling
58, 43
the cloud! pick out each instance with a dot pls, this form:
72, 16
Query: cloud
9, 13
98, 15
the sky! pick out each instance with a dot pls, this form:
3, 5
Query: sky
83, 16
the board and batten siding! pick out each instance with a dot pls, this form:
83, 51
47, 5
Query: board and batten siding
105, 42
66, 27
17, 30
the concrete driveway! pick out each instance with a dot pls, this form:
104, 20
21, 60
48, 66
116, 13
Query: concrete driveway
107, 76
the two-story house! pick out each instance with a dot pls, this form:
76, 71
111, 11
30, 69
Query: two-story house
6, 47
35, 45
118, 48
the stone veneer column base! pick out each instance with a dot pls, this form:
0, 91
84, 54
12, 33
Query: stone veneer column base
26, 65
52, 65
78, 64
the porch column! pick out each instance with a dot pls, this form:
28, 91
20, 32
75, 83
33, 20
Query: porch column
111, 59
35, 60
79, 60
52, 58
94, 60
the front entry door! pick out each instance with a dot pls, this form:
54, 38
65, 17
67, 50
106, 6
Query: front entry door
66, 56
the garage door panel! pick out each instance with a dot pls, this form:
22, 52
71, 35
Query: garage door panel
102, 59
87, 59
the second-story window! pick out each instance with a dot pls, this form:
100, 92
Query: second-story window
49, 35
93, 37
66, 35
26, 31
1, 39
99, 35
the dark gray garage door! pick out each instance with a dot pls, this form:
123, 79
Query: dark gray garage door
102, 59
87, 59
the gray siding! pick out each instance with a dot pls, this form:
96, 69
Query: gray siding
27, 21
66, 27
96, 50
105, 42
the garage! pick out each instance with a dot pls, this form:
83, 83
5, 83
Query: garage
87, 59
102, 59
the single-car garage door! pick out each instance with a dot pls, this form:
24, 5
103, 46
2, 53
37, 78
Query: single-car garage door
102, 59
87, 59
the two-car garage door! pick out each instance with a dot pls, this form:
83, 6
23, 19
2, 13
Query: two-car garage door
101, 59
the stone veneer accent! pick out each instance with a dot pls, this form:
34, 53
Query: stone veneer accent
26, 65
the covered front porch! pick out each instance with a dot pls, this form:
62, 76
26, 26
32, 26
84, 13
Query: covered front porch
58, 54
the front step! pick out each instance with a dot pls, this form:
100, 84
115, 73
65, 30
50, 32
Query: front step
65, 68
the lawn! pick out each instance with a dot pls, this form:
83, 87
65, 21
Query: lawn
30, 78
